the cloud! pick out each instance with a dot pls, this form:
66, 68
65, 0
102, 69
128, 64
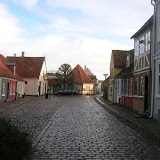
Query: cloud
66, 40
9, 29
27, 3
116, 17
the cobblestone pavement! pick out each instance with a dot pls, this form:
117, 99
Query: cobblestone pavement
31, 114
81, 129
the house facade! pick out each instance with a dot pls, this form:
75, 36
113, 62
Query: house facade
124, 83
34, 73
117, 64
142, 68
155, 109
8, 83
82, 82
12, 85
93, 78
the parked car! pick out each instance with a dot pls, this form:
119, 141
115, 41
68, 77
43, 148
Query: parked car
67, 92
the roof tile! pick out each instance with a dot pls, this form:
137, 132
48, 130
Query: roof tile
80, 76
28, 67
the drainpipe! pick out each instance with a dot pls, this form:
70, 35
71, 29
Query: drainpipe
152, 61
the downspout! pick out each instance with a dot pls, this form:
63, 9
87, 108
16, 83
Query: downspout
152, 54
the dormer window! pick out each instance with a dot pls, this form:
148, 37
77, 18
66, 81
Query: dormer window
128, 60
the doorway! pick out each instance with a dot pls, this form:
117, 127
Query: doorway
146, 93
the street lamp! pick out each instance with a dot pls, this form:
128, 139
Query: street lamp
105, 75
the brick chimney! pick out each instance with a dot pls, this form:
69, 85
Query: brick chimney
23, 54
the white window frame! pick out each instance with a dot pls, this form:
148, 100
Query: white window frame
157, 79
3, 90
126, 87
136, 47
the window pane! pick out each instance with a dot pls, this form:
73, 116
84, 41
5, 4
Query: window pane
159, 86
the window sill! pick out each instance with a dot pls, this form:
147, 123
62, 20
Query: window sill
140, 97
3, 95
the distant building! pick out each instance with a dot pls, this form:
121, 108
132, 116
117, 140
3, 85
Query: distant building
82, 82
33, 71
92, 77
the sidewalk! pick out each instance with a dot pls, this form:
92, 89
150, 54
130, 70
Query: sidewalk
150, 125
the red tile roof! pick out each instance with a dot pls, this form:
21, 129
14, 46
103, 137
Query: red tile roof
119, 57
52, 82
5, 71
80, 76
3, 59
28, 67
9, 73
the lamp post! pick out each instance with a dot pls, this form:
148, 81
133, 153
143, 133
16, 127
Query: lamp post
105, 75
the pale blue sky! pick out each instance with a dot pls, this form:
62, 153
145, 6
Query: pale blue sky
71, 31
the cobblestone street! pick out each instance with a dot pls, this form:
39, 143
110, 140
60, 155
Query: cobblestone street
81, 129
76, 127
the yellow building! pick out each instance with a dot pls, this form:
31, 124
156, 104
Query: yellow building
117, 64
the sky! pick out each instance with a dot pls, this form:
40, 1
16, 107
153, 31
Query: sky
71, 31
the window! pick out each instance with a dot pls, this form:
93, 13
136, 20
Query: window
25, 82
110, 91
128, 60
130, 86
3, 89
141, 89
136, 46
11, 89
147, 41
126, 86
14, 89
87, 88
136, 86
142, 42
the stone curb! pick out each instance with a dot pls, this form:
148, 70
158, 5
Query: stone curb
104, 104
40, 135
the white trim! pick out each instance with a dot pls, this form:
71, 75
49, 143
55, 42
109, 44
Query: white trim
157, 78
9, 79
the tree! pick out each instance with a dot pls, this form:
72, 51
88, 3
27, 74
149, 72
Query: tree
64, 75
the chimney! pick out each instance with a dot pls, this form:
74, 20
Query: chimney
23, 54
14, 54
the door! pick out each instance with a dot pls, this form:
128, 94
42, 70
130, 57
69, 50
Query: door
146, 93
7, 90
